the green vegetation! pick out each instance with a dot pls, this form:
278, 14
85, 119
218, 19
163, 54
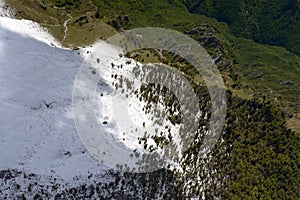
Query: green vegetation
257, 162
259, 156
263, 160
272, 72
265, 21
63, 3
261, 70
144, 13
84, 23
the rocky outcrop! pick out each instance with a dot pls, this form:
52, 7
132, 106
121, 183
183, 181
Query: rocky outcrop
206, 35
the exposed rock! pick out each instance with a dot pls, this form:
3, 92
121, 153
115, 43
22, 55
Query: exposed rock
205, 34
42, 5
82, 20
245, 85
286, 83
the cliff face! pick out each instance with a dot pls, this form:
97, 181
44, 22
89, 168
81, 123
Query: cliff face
206, 35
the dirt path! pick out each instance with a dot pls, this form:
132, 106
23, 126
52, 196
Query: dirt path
66, 27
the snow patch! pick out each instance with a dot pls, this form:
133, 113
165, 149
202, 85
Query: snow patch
28, 29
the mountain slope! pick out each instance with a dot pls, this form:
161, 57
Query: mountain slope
257, 156
268, 22
42, 155
36, 93
258, 71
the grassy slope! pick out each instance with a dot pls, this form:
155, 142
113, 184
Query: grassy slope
268, 70
260, 68
266, 21
54, 18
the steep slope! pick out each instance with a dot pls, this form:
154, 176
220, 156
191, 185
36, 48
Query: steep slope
258, 156
255, 70
41, 152
73, 24
37, 130
268, 22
